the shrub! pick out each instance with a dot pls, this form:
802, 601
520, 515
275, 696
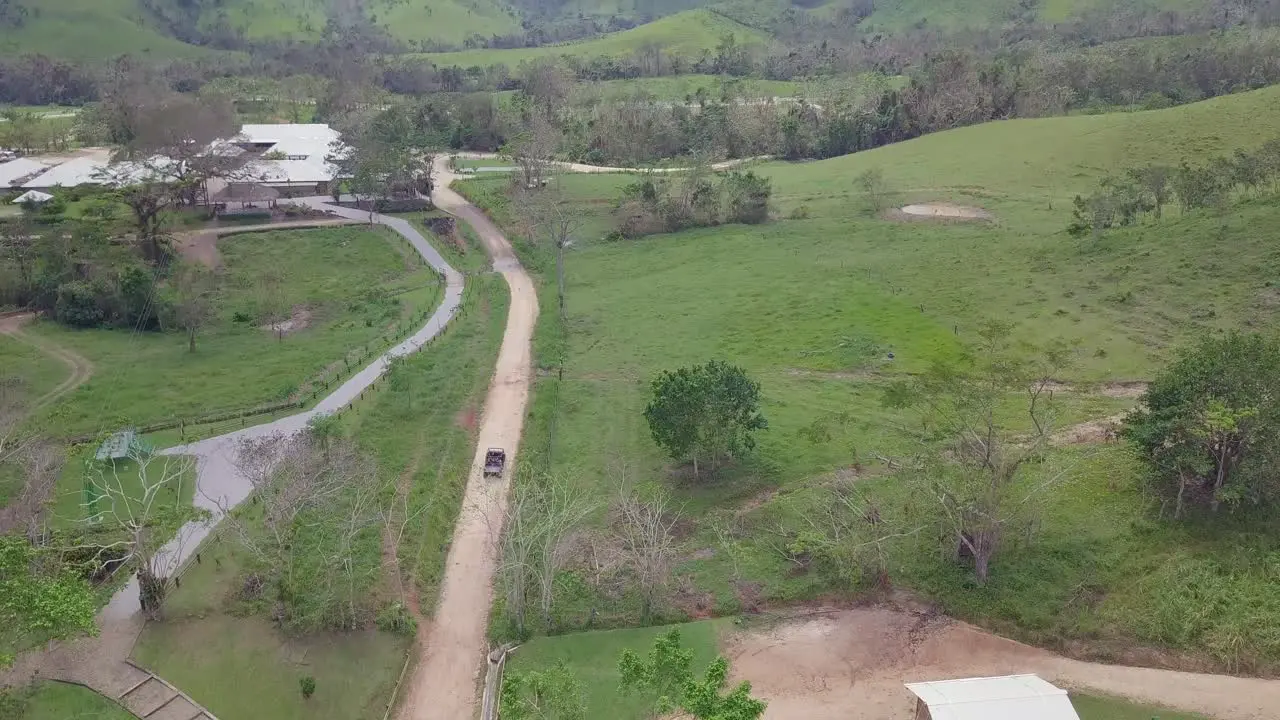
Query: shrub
78, 305
308, 686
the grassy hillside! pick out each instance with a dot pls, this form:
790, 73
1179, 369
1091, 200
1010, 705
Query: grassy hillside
944, 15
1039, 165
450, 21
687, 33
86, 29
812, 303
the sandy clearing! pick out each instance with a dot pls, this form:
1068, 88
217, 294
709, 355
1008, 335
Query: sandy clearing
850, 665
945, 210
445, 680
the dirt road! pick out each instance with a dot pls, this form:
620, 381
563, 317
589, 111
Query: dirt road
202, 245
583, 168
444, 682
80, 368
850, 665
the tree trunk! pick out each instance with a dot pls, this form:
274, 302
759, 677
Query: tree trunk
982, 565
191, 339
560, 275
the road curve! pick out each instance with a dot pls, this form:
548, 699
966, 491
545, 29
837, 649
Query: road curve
219, 486
444, 682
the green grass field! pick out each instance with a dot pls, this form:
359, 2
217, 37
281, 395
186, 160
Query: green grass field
811, 307
420, 426
59, 701
359, 287
687, 33
1100, 707
93, 29
593, 657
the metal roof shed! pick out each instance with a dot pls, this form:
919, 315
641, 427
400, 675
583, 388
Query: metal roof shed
1012, 697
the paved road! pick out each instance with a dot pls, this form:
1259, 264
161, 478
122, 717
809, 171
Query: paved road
219, 486
445, 679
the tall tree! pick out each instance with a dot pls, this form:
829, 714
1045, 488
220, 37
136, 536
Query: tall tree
982, 476
142, 500
193, 299
705, 413
552, 694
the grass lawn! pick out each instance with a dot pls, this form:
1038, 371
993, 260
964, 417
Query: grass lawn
687, 33
60, 701
419, 425
358, 289
243, 667
71, 501
1100, 707
811, 308
593, 658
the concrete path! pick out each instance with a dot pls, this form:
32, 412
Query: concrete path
446, 677
219, 486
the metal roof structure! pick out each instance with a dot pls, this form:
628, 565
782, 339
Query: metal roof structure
1011, 697
116, 447
14, 170
77, 171
32, 196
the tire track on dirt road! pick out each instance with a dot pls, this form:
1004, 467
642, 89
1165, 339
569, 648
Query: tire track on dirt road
81, 368
444, 682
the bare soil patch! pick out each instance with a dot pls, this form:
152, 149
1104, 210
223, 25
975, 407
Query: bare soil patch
299, 319
851, 664
941, 211
200, 247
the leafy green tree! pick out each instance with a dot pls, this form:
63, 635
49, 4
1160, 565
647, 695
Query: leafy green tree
40, 595
1209, 427
666, 675
705, 413
554, 694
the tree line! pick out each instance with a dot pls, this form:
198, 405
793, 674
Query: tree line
1122, 200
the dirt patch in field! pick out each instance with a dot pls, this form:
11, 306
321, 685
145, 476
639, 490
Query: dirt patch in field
467, 418
200, 247
940, 211
851, 665
1087, 433
299, 319
1123, 389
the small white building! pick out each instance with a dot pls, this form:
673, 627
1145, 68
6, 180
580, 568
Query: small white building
1011, 697
35, 197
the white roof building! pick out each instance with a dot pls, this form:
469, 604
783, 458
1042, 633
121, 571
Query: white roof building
1012, 697
33, 196
78, 171
304, 150
15, 170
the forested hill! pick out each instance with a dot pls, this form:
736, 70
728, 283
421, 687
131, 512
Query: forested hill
88, 29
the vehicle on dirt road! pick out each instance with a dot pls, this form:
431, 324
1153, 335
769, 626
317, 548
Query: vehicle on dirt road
495, 462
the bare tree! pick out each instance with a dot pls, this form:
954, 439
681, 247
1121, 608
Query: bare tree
552, 218
319, 498
39, 464
533, 150
984, 479
271, 301
142, 500
13, 408
645, 530
176, 140
545, 509
194, 300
